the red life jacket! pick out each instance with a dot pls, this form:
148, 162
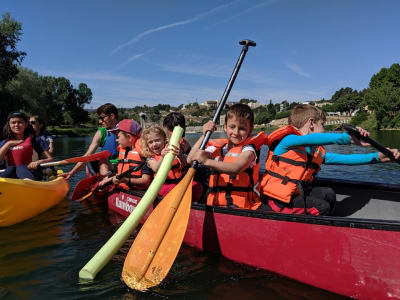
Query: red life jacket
176, 172
240, 191
20, 154
286, 174
128, 158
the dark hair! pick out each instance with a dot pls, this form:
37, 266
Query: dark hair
7, 132
242, 112
173, 119
108, 109
41, 122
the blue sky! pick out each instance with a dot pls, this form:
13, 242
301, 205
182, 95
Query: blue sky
165, 51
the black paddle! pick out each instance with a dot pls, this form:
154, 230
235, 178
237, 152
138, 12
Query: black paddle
354, 131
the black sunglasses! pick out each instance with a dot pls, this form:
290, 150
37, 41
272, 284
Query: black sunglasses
32, 122
102, 118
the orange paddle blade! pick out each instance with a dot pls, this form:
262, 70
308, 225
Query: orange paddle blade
155, 248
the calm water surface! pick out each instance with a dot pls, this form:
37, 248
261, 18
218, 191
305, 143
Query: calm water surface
41, 258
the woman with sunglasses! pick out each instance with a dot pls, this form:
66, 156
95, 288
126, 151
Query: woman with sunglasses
19, 149
39, 127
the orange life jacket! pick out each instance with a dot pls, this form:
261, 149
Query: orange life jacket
240, 191
287, 174
128, 158
176, 172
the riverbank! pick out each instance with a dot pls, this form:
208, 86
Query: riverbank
71, 131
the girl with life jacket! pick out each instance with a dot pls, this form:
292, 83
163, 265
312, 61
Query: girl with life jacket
296, 153
154, 146
234, 161
128, 132
21, 149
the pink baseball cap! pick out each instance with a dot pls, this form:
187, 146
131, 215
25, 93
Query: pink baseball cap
129, 126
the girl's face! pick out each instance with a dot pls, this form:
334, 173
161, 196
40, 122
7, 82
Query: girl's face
125, 140
155, 142
35, 124
17, 126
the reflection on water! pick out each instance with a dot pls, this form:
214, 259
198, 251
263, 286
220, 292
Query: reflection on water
41, 258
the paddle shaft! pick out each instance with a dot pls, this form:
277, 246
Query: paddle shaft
246, 44
119, 176
187, 180
87, 158
353, 130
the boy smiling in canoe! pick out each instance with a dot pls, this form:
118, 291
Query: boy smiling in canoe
296, 154
234, 161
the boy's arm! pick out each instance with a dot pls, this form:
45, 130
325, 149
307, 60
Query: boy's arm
351, 159
231, 168
142, 182
312, 139
91, 150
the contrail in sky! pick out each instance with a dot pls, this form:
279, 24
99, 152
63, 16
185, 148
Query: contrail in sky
150, 31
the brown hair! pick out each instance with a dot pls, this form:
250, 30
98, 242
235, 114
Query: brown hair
145, 134
242, 112
40, 121
108, 109
7, 132
302, 112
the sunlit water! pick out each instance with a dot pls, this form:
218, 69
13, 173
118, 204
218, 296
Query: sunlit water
41, 258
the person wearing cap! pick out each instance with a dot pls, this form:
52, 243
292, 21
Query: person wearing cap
128, 133
18, 148
108, 119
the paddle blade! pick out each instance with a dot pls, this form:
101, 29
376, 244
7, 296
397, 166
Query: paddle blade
154, 250
84, 187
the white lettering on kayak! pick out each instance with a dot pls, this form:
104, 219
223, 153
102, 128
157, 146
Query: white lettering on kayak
124, 205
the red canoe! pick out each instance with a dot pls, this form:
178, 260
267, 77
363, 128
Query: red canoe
354, 253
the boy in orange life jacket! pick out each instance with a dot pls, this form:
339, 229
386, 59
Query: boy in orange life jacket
128, 132
296, 154
234, 161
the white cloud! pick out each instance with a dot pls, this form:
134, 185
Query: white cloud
297, 69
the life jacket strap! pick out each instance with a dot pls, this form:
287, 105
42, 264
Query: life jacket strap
307, 165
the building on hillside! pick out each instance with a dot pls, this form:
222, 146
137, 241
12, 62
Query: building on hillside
222, 120
254, 105
230, 103
321, 104
210, 103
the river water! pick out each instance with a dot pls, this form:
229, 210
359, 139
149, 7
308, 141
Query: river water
41, 258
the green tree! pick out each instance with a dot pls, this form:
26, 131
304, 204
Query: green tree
10, 57
383, 95
263, 117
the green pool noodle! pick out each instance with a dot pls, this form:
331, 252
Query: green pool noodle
104, 255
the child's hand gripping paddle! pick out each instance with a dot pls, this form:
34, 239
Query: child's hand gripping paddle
354, 131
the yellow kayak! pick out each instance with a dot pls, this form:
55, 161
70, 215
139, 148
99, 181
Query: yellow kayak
23, 199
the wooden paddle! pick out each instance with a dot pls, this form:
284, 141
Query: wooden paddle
353, 130
119, 176
87, 158
159, 240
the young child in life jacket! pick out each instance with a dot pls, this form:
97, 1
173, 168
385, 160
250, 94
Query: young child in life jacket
177, 119
20, 147
234, 161
295, 156
128, 132
154, 146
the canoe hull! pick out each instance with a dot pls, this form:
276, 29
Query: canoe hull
348, 256
23, 199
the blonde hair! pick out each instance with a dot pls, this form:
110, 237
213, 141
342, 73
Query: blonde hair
144, 138
302, 112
